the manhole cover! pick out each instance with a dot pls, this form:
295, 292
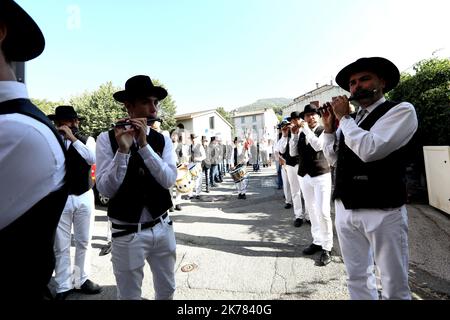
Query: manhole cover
188, 267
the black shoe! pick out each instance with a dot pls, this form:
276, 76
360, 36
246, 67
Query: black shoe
207, 191
240, 196
106, 249
312, 248
190, 198
244, 196
325, 258
197, 197
63, 295
213, 185
308, 221
89, 287
178, 207
288, 206
298, 222
171, 209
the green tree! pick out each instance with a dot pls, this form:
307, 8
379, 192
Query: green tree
279, 112
428, 89
46, 106
167, 111
225, 114
101, 110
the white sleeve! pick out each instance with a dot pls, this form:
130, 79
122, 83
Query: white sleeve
316, 142
329, 141
110, 168
282, 144
391, 132
86, 151
163, 169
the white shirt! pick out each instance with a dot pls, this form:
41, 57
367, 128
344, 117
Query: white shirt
316, 142
86, 151
391, 132
111, 168
31, 159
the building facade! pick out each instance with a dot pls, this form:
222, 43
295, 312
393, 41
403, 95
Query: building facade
317, 97
256, 124
206, 123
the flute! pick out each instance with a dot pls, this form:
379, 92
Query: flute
150, 121
361, 95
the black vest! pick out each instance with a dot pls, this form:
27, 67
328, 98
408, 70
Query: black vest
376, 184
78, 170
290, 161
311, 162
139, 188
26, 245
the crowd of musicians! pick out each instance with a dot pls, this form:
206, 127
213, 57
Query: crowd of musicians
46, 190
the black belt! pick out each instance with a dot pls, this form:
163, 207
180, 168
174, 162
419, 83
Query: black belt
132, 228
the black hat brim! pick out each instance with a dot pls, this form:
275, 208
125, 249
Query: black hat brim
382, 67
54, 117
159, 92
24, 40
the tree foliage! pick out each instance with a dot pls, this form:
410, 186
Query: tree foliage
100, 110
225, 114
428, 89
46, 106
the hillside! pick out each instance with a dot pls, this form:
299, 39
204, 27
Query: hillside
265, 103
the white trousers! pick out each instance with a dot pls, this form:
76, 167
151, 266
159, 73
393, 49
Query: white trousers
242, 186
286, 185
368, 236
296, 193
155, 245
317, 194
79, 213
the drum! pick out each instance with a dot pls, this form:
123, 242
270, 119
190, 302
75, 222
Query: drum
195, 170
184, 182
239, 173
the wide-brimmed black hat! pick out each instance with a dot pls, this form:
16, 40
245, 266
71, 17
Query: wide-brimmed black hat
24, 40
140, 87
284, 123
64, 113
294, 115
309, 109
380, 66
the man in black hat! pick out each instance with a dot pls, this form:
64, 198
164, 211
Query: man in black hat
315, 180
79, 209
369, 153
32, 168
284, 158
136, 167
291, 171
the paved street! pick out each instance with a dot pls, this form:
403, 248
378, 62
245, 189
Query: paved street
249, 249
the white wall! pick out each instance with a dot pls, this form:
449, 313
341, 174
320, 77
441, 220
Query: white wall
321, 97
260, 126
200, 126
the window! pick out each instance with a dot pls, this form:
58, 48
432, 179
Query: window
242, 119
254, 118
211, 122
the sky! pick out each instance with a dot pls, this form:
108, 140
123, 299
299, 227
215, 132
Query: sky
225, 53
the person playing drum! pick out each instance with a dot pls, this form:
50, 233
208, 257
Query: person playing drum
240, 157
198, 154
